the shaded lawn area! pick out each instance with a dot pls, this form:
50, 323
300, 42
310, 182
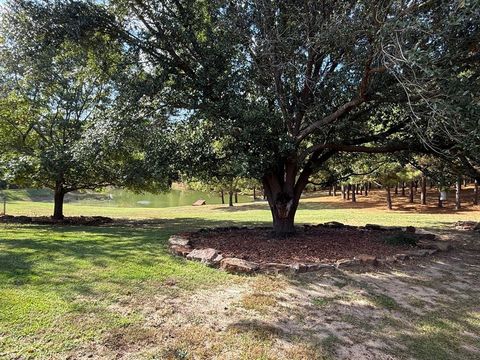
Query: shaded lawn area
56, 284
115, 292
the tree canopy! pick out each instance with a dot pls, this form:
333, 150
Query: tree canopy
274, 89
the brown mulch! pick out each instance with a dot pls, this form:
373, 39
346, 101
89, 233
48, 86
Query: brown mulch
319, 244
46, 220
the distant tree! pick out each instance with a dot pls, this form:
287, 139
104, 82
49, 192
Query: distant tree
58, 105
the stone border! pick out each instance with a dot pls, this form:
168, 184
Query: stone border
180, 245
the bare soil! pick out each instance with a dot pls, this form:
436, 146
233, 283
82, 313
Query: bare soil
315, 244
418, 310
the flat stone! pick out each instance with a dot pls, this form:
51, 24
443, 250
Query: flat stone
391, 228
418, 253
199, 202
401, 257
217, 259
236, 265
427, 235
206, 256
387, 260
373, 227
334, 224
180, 250
303, 268
382, 227
179, 240
275, 268
366, 259
342, 263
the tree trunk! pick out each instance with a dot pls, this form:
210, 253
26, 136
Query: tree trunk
396, 189
354, 193
349, 188
342, 189
283, 196
475, 193
423, 193
389, 198
236, 197
411, 192
360, 187
334, 189
403, 188
329, 191
440, 201
230, 198
458, 190
223, 196
254, 193
59, 196
366, 189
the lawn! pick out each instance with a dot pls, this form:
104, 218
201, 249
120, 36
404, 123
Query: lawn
115, 292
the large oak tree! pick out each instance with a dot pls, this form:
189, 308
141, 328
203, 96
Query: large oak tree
297, 82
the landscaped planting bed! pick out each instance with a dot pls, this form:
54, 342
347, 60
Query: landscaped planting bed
315, 247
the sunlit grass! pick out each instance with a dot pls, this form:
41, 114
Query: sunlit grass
58, 284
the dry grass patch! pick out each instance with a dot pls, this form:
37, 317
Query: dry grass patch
258, 302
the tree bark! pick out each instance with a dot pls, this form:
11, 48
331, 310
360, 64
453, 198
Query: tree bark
411, 192
396, 189
423, 193
342, 189
254, 193
349, 188
475, 193
283, 189
334, 189
236, 197
223, 196
403, 188
366, 189
389, 198
329, 191
354, 193
230, 198
458, 190
440, 201
59, 196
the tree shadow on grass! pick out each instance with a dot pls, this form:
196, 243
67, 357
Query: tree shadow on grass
81, 259
425, 310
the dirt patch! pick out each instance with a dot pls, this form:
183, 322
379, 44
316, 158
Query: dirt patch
313, 245
46, 220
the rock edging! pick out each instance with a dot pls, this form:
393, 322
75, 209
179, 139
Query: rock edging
181, 245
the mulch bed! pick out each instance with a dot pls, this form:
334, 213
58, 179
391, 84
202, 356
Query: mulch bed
314, 245
46, 220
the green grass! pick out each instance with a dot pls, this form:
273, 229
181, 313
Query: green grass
59, 285
50, 278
